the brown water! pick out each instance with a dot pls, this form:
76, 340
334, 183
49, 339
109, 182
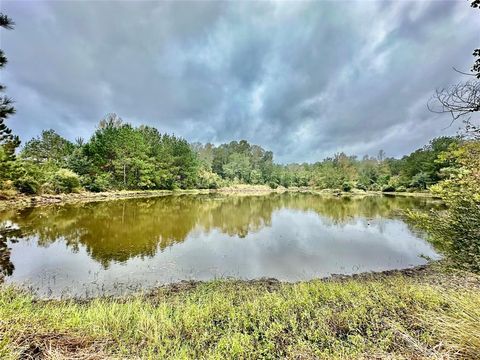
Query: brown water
118, 246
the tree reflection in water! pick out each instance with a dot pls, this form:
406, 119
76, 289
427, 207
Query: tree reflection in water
122, 229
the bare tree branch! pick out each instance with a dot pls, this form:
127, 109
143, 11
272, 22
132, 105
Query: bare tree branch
459, 100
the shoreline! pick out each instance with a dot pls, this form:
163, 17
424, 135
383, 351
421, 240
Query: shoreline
434, 271
23, 201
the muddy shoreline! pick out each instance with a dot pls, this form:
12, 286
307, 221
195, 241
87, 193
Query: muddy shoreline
437, 273
440, 273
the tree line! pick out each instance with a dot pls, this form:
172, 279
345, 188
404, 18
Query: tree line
120, 156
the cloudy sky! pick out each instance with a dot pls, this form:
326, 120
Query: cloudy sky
303, 79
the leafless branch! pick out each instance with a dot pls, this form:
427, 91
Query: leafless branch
463, 73
458, 100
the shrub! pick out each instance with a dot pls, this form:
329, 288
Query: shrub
420, 180
273, 184
7, 185
401, 188
256, 177
7, 190
361, 186
48, 188
99, 183
27, 185
346, 186
208, 180
65, 181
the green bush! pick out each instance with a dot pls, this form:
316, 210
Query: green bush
208, 180
256, 177
420, 180
273, 184
65, 181
27, 185
100, 183
361, 186
346, 186
401, 189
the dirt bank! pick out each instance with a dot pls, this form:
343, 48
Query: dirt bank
21, 200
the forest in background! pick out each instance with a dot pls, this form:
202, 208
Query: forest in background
120, 156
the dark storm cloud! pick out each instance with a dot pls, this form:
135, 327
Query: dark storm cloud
304, 79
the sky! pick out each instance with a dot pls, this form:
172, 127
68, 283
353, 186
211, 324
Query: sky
304, 79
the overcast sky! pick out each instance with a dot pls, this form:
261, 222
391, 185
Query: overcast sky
303, 79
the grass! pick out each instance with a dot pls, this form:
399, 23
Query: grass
391, 317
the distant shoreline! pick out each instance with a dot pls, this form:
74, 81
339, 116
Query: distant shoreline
23, 201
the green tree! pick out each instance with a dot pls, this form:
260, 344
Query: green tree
48, 147
6, 104
204, 154
120, 150
420, 169
238, 167
456, 229
8, 141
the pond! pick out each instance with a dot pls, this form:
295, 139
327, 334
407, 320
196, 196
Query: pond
118, 246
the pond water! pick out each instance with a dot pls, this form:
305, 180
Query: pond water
119, 246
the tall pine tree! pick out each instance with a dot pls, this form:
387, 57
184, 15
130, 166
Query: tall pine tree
8, 141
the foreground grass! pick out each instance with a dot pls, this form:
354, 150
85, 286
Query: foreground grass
389, 317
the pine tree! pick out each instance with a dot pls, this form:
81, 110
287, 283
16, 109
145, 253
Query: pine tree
7, 140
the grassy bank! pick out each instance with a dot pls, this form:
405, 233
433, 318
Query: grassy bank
428, 313
17, 200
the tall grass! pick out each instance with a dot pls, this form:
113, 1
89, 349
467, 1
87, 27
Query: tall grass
388, 318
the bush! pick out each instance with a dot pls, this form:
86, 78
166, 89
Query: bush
27, 185
420, 181
99, 183
273, 184
361, 186
208, 180
401, 189
346, 186
48, 188
256, 177
7, 185
6, 194
65, 181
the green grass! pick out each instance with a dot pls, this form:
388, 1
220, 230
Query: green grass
394, 317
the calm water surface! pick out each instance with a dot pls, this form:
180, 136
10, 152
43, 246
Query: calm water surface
118, 246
